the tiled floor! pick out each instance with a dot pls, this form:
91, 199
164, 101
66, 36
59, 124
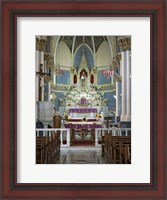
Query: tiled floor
81, 155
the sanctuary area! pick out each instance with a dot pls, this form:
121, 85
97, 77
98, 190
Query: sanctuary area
83, 99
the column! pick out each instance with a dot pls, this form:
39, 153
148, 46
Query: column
37, 63
128, 69
68, 137
96, 138
48, 61
125, 46
117, 102
45, 70
124, 77
41, 42
42, 79
61, 138
42, 61
42, 88
45, 133
54, 79
118, 98
49, 90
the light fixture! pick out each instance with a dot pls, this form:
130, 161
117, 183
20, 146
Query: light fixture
108, 72
58, 71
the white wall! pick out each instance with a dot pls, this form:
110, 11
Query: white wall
103, 56
64, 55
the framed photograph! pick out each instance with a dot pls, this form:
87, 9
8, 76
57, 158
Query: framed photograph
83, 100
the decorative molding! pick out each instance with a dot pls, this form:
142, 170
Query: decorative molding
60, 87
116, 61
48, 78
118, 78
95, 70
106, 87
124, 43
49, 59
72, 70
41, 42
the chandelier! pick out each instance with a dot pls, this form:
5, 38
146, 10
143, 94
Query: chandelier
107, 73
58, 71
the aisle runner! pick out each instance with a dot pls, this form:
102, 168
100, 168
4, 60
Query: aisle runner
81, 157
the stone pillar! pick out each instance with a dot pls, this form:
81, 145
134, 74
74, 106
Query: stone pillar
54, 79
117, 104
42, 79
96, 138
118, 98
42, 61
42, 88
48, 66
128, 69
49, 90
68, 137
124, 97
45, 70
37, 63
117, 66
45, 133
40, 48
125, 46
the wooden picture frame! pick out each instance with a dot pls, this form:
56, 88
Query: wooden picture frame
11, 189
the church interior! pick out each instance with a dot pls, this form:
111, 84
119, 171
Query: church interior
83, 99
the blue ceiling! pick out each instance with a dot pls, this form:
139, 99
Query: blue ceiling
88, 56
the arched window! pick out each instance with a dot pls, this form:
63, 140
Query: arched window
75, 79
92, 79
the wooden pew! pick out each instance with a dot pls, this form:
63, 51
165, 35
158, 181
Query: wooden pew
106, 146
125, 152
41, 154
48, 148
117, 149
118, 144
56, 146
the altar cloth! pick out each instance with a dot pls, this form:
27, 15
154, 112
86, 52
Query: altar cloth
83, 110
82, 126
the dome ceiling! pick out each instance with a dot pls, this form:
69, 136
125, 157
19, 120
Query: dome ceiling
91, 41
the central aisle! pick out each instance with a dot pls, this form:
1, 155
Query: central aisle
81, 155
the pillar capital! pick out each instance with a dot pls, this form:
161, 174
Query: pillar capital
41, 42
116, 61
48, 78
124, 43
95, 70
123, 118
49, 59
118, 78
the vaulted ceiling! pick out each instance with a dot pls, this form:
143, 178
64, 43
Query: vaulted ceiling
74, 41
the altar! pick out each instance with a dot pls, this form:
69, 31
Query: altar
82, 124
81, 106
80, 109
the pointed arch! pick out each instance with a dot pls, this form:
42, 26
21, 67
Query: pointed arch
88, 55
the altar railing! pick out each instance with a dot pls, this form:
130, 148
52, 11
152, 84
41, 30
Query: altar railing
99, 132
82, 110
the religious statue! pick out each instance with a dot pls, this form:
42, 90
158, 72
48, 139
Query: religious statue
41, 75
83, 75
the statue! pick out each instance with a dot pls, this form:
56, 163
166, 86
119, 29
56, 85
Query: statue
41, 75
83, 77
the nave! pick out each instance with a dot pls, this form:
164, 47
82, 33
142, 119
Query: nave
83, 99
110, 149
81, 155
